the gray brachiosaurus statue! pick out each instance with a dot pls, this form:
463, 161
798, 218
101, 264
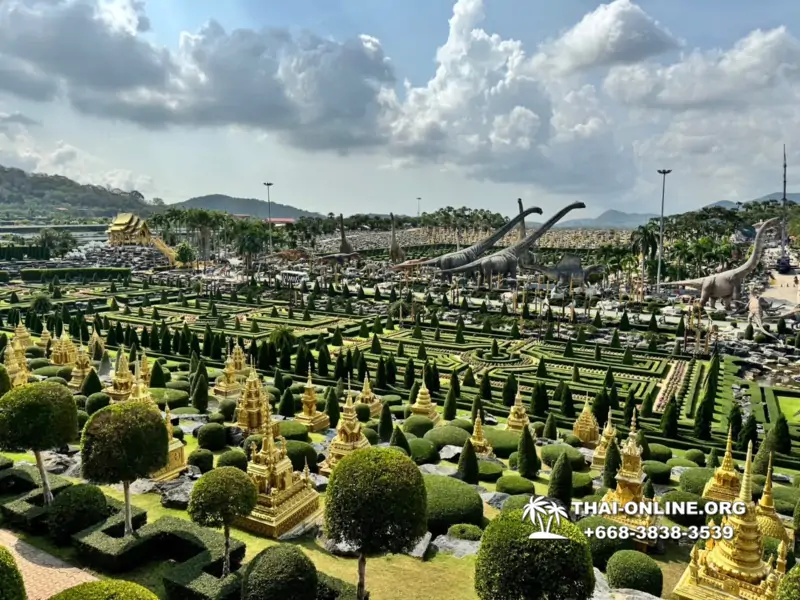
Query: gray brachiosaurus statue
467, 255
727, 285
396, 253
568, 270
506, 261
527, 259
344, 245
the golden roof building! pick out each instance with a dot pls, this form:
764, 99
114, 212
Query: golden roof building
368, 397
517, 416
769, 522
176, 456
128, 230
250, 413
609, 437
424, 405
724, 485
349, 436
227, 384
482, 446
586, 427
311, 417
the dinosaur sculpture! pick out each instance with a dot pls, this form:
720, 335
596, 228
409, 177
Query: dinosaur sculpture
506, 261
727, 285
452, 260
396, 253
339, 257
344, 245
568, 271
527, 259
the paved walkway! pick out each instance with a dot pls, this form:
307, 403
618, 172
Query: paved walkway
44, 574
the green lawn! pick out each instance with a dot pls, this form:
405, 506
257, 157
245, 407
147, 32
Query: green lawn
790, 407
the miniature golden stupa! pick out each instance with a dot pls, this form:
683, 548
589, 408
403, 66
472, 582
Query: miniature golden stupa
311, 417
139, 390
609, 437
349, 436
122, 382
19, 353
586, 427
176, 457
44, 338
370, 399
22, 336
144, 368
482, 447
734, 569
239, 359
15, 358
10, 361
81, 369
424, 405
724, 485
285, 498
227, 385
250, 412
769, 522
517, 416
63, 351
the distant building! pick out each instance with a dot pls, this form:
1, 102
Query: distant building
128, 229
280, 221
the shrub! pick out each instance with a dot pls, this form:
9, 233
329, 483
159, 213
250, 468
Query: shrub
516, 502
363, 412
462, 424
418, 425
582, 485
227, 409
451, 502
603, 547
423, 451
97, 401
291, 430
660, 452
11, 585
75, 509
510, 565
658, 472
372, 436
211, 436
789, 589
217, 418
172, 398
280, 572
80, 401
301, 453
573, 440
694, 480
551, 453
447, 436
488, 470
83, 416
681, 462
514, 484
107, 589
39, 363
464, 531
202, 459
503, 441
179, 384
678, 496
771, 549
58, 380
233, 458
634, 570
696, 456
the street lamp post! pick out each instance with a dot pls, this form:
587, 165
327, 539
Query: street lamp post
418, 201
663, 173
269, 184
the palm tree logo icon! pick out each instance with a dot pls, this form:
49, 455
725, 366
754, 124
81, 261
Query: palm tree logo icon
538, 507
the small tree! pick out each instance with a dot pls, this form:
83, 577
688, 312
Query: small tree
91, 383
528, 463
669, 420
38, 417
12, 587
286, 406
449, 410
399, 440
332, 408
200, 394
611, 465
560, 486
550, 429
712, 462
748, 434
220, 497
124, 442
468, 470
351, 498
386, 424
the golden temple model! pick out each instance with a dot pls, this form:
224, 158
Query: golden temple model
734, 569
144, 368
349, 436
62, 351
724, 485
769, 522
22, 335
609, 437
285, 498
250, 413
370, 399
311, 417
127, 229
482, 447
81, 369
424, 405
19, 352
586, 427
122, 382
517, 416
16, 355
139, 391
176, 456
239, 360
10, 361
227, 384
44, 338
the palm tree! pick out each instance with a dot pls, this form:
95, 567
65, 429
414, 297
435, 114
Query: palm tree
281, 336
41, 305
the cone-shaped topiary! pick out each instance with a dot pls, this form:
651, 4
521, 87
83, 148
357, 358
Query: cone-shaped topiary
560, 486
399, 440
528, 462
613, 461
468, 468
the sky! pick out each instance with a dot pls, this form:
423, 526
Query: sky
366, 105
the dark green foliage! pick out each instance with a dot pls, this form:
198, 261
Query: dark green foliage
712, 461
75, 509
560, 485
477, 408
233, 458
202, 459
451, 502
781, 436
540, 403
450, 406
200, 394
528, 463
280, 572
567, 403
509, 390
550, 428
669, 419
97, 401
386, 426
748, 434
615, 340
641, 439
91, 384
286, 408
600, 406
211, 436
647, 405
332, 408
735, 421
468, 464
106, 589
12, 587
627, 357
635, 570
469, 378
649, 491
399, 440
612, 464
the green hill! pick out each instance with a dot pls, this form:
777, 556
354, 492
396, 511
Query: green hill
244, 206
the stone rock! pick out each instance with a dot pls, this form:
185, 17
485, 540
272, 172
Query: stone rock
60, 464
603, 592
677, 472
318, 447
320, 482
234, 436
495, 499
428, 469
176, 493
588, 454
306, 528
479, 488
781, 478
450, 452
422, 546
143, 486
342, 549
456, 547
490, 420
192, 472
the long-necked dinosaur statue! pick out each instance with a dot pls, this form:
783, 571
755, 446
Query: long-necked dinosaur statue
506, 261
568, 271
339, 257
344, 245
396, 253
727, 285
527, 259
462, 257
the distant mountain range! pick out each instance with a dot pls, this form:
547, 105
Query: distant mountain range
611, 219
792, 197
245, 206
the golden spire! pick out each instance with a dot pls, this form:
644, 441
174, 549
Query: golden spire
727, 461
766, 497
348, 402
366, 390
746, 489
308, 383
632, 432
477, 431
168, 421
609, 430
518, 399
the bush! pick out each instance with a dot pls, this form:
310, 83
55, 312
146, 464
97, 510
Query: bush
58, 380
516, 502
503, 441
696, 456
51, 371
447, 436
464, 531
488, 470
603, 548
660, 452
462, 424
658, 472
372, 436
418, 425
75, 509
451, 502
211, 436
80, 401
582, 484
202, 459
514, 484
179, 384
680, 497
789, 589
227, 409
39, 363
551, 453
107, 589
11, 585
292, 430
422, 451
573, 440
233, 458
681, 462
300, 453
83, 416
217, 418
634, 570
363, 412
65, 373
172, 398
771, 550
280, 572
510, 565
694, 480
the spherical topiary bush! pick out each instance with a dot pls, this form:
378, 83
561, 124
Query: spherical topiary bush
80, 401
789, 588
302, 453
694, 480
293, 430
227, 408
447, 436
464, 531
514, 484
177, 433
423, 451
538, 428
179, 384
83, 416
172, 398
582, 485
217, 418
503, 441
573, 440
603, 547
516, 502
510, 565
11, 585
696, 456
658, 472
35, 352
681, 462
633, 570
451, 502
65, 373
513, 460
488, 470
108, 589
660, 452
58, 380
75, 509
211, 437
233, 458
202, 459
252, 440
462, 424
372, 436
39, 363
418, 425
680, 497
550, 455
363, 412
280, 572
97, 401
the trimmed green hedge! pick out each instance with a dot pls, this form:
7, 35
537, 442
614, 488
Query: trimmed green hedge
462, 531
657, 471
26, 510
694, 480
634, 570
106, 590
28, 275
11, 585
451, 502
551, 453
447, 436
603, 547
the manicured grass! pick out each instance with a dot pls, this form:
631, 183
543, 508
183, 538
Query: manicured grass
790, 407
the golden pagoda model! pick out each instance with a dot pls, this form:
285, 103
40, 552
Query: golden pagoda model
63, 351
11, 364
370, 399
482, 447
609, 437
176, 457
586, 427
19, 353
349, 436
16, 354
139, 390
424, 405
44, 338
227, 385
630, 487
239, 360
81, 369
144, 368
22, 336
734, 569
517, 416
769, 522
251, 405
311, 417
724, 485
285, 498
128, 229
122, 382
